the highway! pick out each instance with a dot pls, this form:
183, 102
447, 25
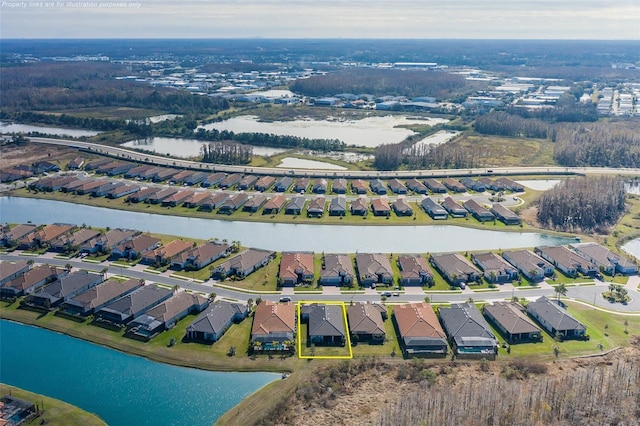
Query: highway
131, 155
587, 294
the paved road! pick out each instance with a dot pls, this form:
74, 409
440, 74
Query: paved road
587, 294
168, 161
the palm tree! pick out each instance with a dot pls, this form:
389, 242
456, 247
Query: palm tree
561, 289
68, 267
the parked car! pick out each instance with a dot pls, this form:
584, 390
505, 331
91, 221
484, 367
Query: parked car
285, 299
386, 294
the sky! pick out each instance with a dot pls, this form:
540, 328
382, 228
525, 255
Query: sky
419, 19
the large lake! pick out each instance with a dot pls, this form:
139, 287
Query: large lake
59, 131
370, 131
120, 388
280, 236
187, 148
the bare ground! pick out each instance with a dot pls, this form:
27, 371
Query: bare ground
12, 155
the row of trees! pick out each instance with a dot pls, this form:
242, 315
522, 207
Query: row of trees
583, 204
226, 153
269, 139
422, 156
501, 123
380, 82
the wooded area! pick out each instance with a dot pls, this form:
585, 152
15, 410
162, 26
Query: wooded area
226, 153
583, 204
382, 82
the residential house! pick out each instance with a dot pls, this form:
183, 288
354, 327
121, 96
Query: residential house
359, 186
320, 186
165, 315
121, 311
213, 179
338, 206
513, 323
325, 324
196, 178
380, 207
378, 187
433, 209
134, 248
491, 184
89, 185
337, 269
151, 173
456, 269
230, 180
567, 261
198, 257
247, 182
88, 302
176, 198
302, 185
73, 242
233, 203
495, 268
366, 322
454, 209
477, 211
510, 185
414, 270
453, 185
215, 320
45, 235
402, 208
137, 171
469, 333
51, 183
359, 206
273, 325
531, 266
109, 240
12, 270
181, 177
416, 186
419, 331
122, 191
164, 254
397, 187
105, 188
76, 163
606, 260
264, 183
165, 174
214, 201
472, 184
10, 237
373, 269
556, 320
160, 196
255, 203
142, 195
316, 207
30, 281
295, 205
283, 184
339, 186
296, 268
275, 204
63, 289
70, 187
97, 163
435, 186
243, 264
196, 199
505, 215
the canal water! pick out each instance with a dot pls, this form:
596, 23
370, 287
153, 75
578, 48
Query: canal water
280, 236
120, 388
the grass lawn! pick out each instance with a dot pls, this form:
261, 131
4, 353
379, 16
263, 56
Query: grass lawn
56, 412
390, 343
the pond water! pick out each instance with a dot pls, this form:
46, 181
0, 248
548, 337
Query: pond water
633, 187
438, 138
186, 148
633, 248
58, 131
280, 236
120, 388
369, 132
539, 184
301, 163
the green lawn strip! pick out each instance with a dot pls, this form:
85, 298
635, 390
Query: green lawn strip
56, 412
619, 279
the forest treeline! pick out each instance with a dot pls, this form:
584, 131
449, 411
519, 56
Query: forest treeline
226, 152
583, 204
66, 120
381, 82
68, 85
269, 139
422, 156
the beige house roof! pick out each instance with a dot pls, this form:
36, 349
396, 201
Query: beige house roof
271, 317
417, 320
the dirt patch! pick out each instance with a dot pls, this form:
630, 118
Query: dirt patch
12, 155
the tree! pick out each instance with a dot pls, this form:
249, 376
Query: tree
68, 267
626, 326
231, 351
561, 289
212, 296
103, 272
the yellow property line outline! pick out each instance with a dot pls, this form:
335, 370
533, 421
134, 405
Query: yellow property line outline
346, 327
